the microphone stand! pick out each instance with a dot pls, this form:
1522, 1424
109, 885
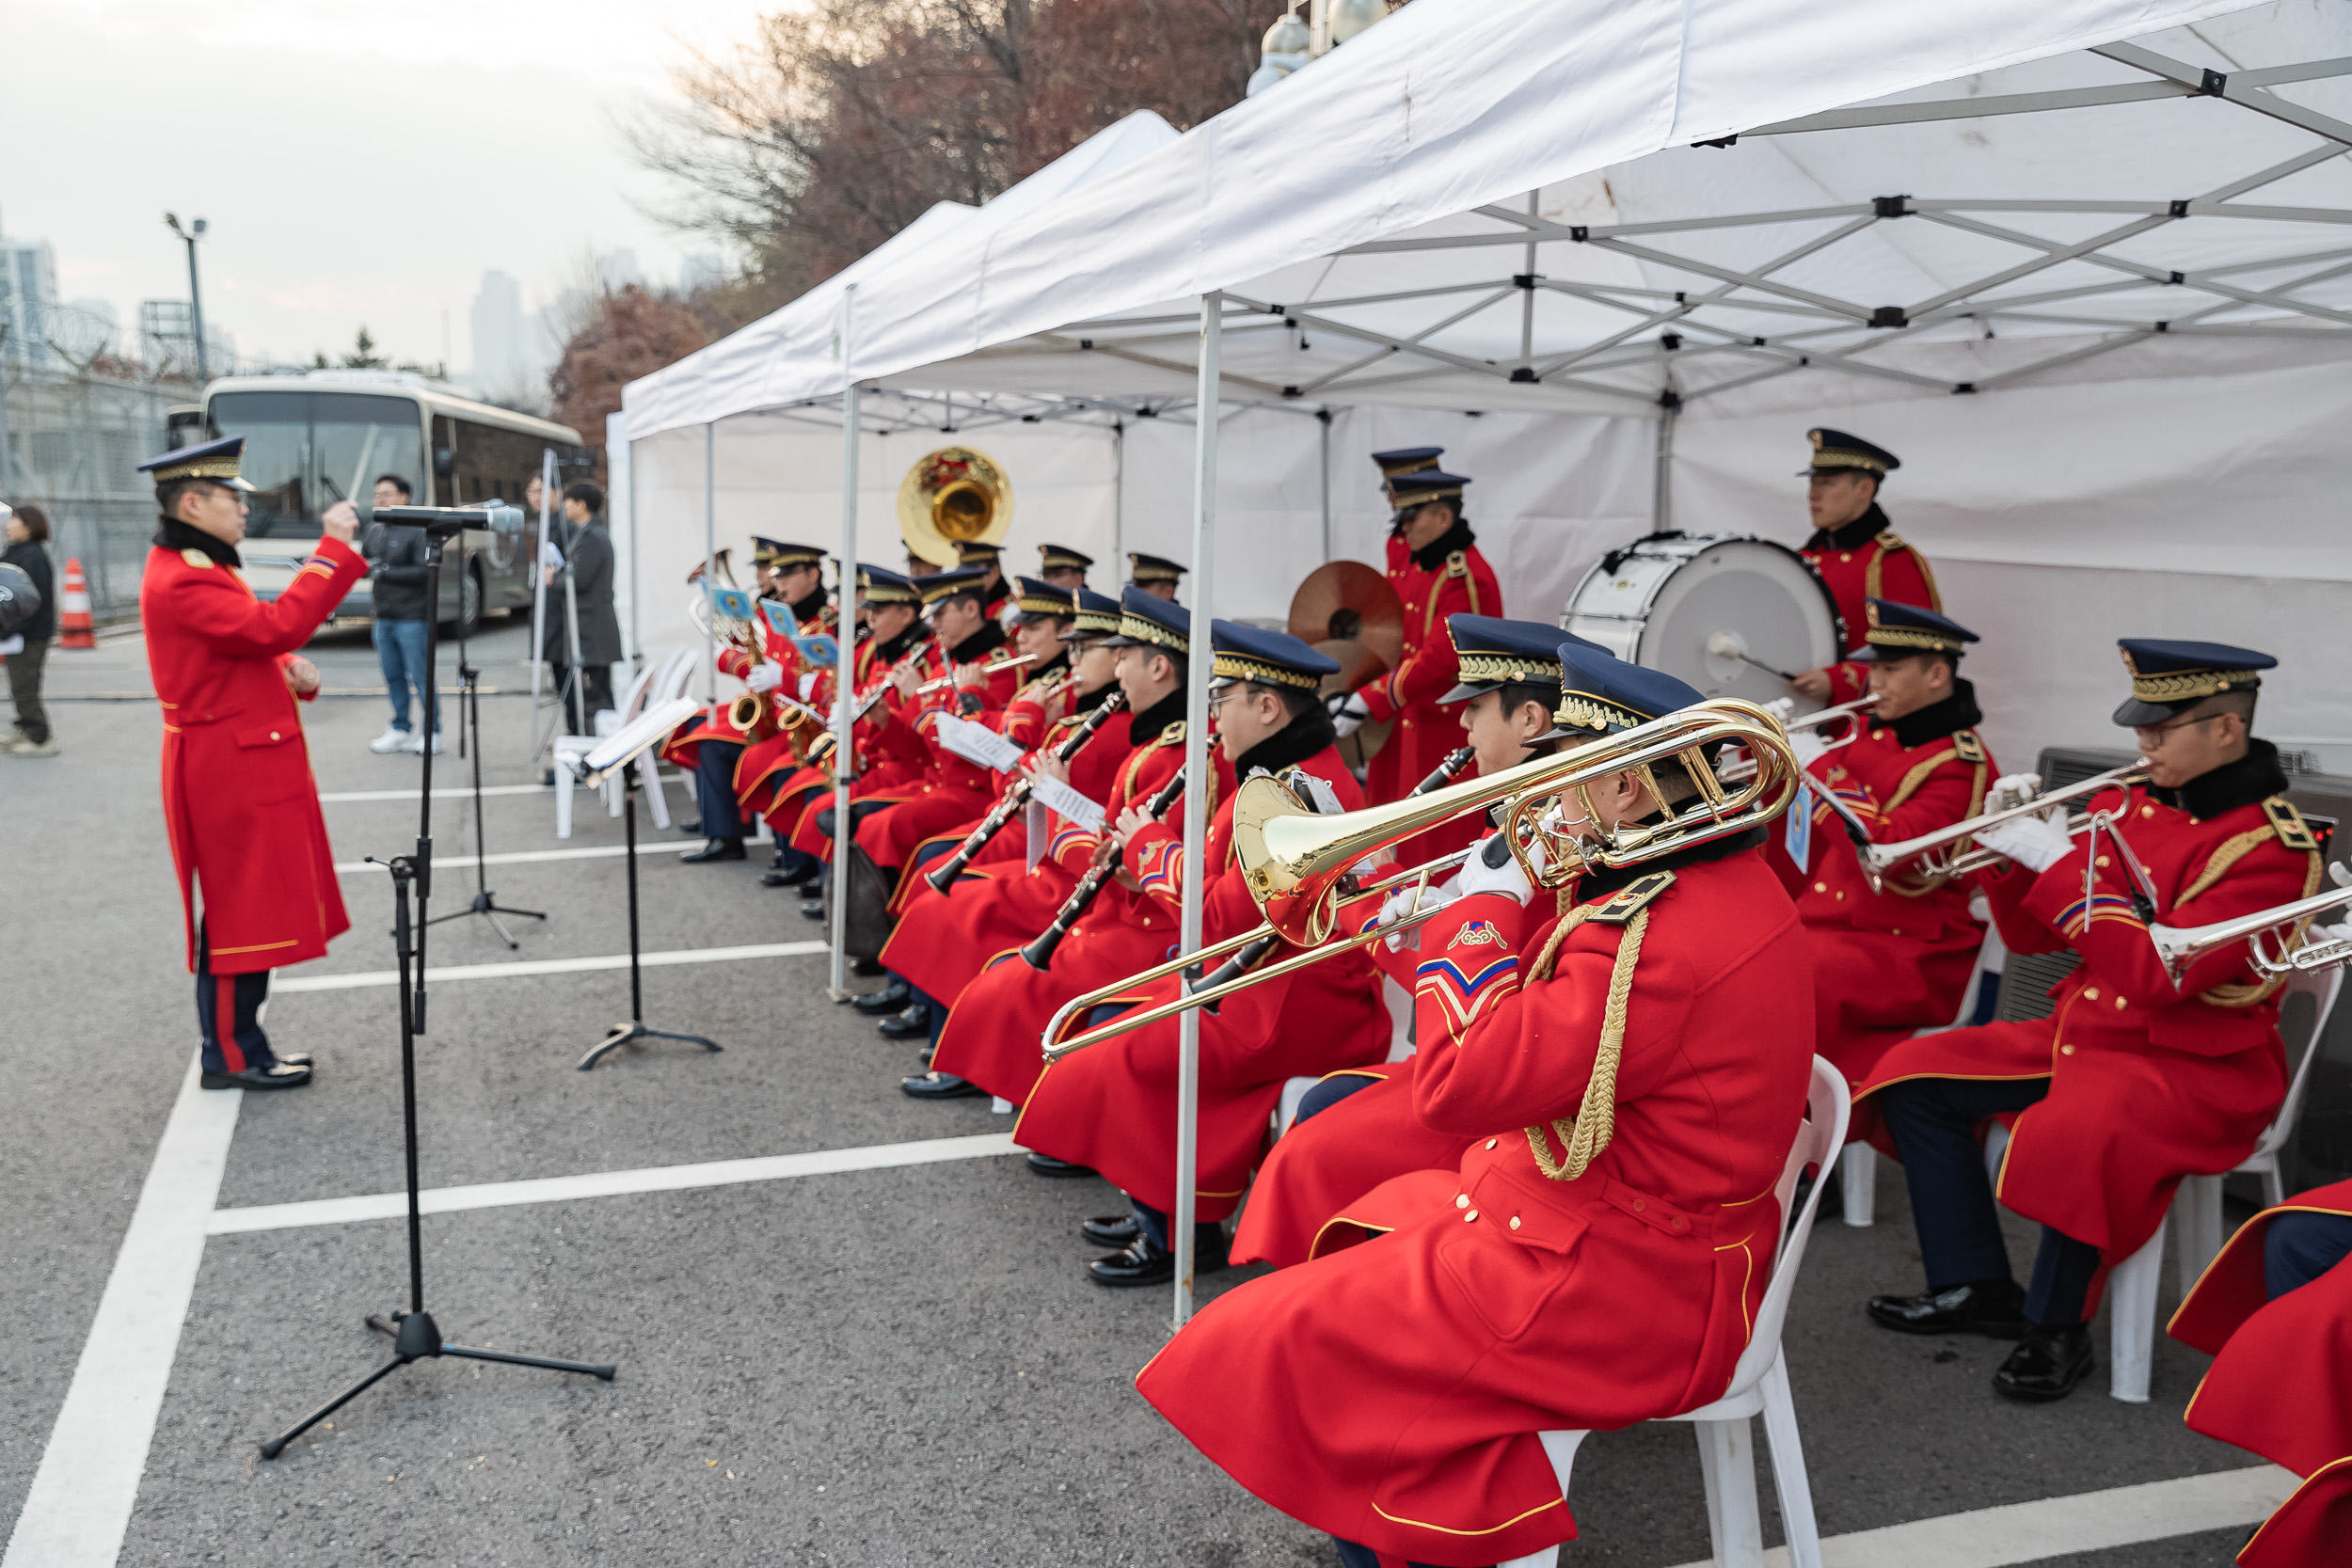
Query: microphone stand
414, 1334
486, 903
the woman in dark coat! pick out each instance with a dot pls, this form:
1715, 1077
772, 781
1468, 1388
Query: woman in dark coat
27, 537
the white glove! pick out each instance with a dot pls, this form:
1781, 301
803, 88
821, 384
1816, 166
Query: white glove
548, 554
1408, 901
2012, 789
1348, 714
2035, 843
765, 676
1480, 874
1782, 708
1808, 746
807, 684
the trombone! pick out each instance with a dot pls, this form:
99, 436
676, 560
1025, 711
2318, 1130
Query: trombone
1297, 864
2274, 937
1880, 859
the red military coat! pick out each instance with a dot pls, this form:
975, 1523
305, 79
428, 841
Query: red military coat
715, 722
1113, 1105
239, 800
890, 756
1449, 577
2149, 1081
955, 792
769, 763
1391, 1393
1887, 964
1866, 560
2310, 1529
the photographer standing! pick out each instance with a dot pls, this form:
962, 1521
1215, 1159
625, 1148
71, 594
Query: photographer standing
587, 549
27, 648
398, 567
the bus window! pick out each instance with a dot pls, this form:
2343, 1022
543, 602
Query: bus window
304, 452
360, 438
276, 462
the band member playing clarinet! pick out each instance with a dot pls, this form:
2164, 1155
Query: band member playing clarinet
2137, 1080
1632, 1074
257, 880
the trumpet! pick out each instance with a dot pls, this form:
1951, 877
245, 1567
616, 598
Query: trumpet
1297, 863
1745, 769
992, 667
1878, 860
2274, 936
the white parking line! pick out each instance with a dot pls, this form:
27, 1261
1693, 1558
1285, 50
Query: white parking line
608, 1183
525, 857
2055, 1526
339, 797
81, 1498
524, 967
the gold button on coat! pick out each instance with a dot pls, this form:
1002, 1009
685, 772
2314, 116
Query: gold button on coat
1514, 1222
2091, 993
1461, 1200
1471, 1215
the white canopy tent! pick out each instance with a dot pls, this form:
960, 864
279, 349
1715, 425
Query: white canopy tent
2091, 298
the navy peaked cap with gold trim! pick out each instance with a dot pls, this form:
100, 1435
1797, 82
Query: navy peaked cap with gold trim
1600, 694
880, 585
1492, 653
1098, 614
1040, 599
2169, 677
1406, 460
960, 579
1147, 621
1062, 558
1153, 568
214, 460
1903, 629
1424, 485
775, 552
1267, 656
1837, 453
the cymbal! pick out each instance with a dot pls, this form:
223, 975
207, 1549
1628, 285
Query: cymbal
1348, 601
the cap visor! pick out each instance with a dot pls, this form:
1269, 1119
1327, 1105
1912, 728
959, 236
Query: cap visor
1115, 640
2135, 714
1467, 690
238, 483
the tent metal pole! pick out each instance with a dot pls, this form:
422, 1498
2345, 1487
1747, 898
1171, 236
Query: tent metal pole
1661, 516
1197, 778
1119, 496
710, 556
844, 667
1323, 417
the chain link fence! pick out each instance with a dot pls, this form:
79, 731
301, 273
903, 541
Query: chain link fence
70, 442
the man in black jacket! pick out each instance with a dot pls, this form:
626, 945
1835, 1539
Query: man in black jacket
397, 569
587, 552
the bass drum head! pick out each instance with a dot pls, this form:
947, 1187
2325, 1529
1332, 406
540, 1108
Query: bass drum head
1704, 601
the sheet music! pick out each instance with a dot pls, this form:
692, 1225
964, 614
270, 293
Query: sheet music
977, 743
1076, 807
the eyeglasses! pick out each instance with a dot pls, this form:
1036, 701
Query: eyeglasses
2152, 736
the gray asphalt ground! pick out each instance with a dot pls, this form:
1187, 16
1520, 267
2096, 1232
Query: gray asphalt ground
888, 1366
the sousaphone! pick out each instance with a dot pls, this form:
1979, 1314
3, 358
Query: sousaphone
1349, 612
954, 496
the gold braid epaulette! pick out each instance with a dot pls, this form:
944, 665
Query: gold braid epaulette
1584, 1136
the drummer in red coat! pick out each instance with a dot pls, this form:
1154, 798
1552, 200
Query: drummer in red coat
2275, 1309
1600, 1254
1855, 551
257, 878
1112, 1106
1889, 963
2137, 1080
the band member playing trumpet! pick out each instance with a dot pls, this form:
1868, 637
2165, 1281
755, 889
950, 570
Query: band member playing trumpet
1112, 1107
2137, 1080
1631, 1076
1855, 550
1889, 963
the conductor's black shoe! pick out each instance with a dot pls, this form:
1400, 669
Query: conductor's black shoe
1045, 1164
716, 850
1115, 1231
1992, 1308
2046, 1364
941, 1085
812, 909
891, 998
910, 1023
773, 878
278, 1075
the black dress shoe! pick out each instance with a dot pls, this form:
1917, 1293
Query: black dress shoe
941, 1085
1045, 1164
778, 877
716, 850
866, 969
691, 829
1992, 1308
2046, 1364
812, 909
1142, 1263
910, 1023
1117, 1233
891, 998
929, 1052
296, 1058
278, 1075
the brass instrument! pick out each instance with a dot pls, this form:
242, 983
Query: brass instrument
1878, 860
1349, 612
2274, 936
1744, 768
1297, 862
954, 496
756, 720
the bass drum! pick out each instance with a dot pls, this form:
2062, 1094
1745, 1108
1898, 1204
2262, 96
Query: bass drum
1720, 611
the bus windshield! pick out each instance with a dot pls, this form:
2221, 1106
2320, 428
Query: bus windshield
304, 452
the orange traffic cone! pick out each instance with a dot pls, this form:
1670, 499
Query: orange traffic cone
73, 609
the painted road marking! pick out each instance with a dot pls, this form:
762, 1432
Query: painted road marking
282, 985
522, 857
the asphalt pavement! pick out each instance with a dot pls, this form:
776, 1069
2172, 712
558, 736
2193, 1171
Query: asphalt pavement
878, 1366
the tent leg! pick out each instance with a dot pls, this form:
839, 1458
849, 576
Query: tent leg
1323, 418
845, 669
1662, 492
1201, 668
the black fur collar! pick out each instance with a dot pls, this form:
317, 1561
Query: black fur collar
1305, 735
1146, 726
982, 643
2256, 776
176, 535
1432, 555
1854, 535
1936, 720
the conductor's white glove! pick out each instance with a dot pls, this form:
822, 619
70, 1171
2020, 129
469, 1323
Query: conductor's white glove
765, 676
548, 554
1808, 746
1348, 714
1479, 874
2035, 843
2012, 789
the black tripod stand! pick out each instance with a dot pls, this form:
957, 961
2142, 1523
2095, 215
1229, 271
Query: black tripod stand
415, 1334
486, 903
634, 1030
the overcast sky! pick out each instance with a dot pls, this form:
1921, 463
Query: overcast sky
357, 163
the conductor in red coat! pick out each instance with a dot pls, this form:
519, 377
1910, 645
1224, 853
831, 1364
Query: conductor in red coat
257, 878
1854, 549
2138, 1078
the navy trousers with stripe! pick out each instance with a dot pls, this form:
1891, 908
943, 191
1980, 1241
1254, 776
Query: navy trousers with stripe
229, 1013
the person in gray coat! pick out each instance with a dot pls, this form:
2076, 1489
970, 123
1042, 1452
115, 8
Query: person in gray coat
587, 551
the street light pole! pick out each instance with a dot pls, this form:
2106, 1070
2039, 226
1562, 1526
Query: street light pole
196, 296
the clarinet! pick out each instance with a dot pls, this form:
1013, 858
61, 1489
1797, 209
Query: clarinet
1040, 953
1252, 956
1018, 796
822, 747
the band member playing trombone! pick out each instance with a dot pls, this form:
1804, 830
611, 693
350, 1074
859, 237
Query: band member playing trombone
1888, 962
1112, 1106
1855, 550
2138, 1078
1633, 1076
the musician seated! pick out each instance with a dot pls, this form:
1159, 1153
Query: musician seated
1112, 1106
1598, 1254
1888, 964
2137, 1079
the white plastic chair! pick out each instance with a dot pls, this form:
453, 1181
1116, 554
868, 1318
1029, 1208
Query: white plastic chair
2197, 1205
1759, 1384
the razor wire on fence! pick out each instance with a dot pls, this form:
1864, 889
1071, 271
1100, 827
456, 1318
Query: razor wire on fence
70, 442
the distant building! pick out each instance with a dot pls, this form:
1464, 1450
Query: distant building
618, 269
501, 351
699, 271
28, 294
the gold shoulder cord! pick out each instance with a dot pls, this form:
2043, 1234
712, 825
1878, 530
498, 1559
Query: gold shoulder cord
1596, 1120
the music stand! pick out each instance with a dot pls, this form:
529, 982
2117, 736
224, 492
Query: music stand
616, 752
415, 1334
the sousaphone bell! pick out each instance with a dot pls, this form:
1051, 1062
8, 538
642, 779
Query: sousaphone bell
954, 496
